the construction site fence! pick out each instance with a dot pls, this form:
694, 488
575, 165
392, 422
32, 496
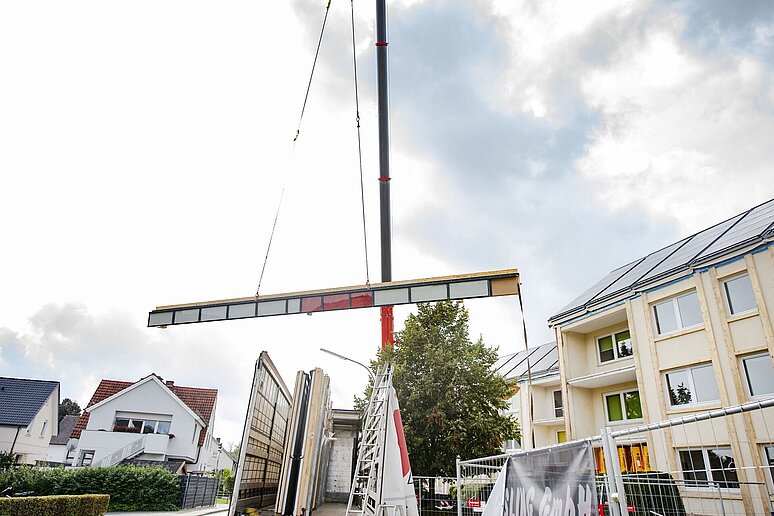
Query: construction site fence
717, 462
435, 495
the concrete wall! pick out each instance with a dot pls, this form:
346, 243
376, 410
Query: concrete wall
339, 479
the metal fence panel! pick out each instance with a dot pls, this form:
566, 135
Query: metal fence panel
197, 491
718, 462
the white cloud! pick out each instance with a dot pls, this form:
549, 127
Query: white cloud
680, 130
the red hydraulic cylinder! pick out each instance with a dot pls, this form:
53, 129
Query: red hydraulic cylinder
388, 339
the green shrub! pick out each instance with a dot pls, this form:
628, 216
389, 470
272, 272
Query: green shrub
131, 488
62, 505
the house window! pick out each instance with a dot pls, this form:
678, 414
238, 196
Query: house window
86, 457
758, 375
739, 295
561, 437
768, 456
709, 468
43, 428
677, 313
144, 426
614, 346
558, 407
623, 406
692, 386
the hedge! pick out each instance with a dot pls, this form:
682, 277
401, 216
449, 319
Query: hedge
131, 488
62, 505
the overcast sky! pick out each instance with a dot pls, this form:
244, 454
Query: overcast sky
144, 145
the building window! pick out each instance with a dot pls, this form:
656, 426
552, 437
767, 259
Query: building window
86, 457
138, 426
561, 437
614, 346
632, 458
768, 457
758, 375
739, 295
558, 407
43, 428
623, 406
692, 386
514, 404
677, 313
709, 468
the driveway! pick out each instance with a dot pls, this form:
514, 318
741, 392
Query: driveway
220, 509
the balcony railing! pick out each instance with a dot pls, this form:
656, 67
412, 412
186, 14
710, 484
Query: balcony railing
127, 452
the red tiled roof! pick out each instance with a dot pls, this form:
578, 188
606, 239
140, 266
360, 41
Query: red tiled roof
200, 401
105, 389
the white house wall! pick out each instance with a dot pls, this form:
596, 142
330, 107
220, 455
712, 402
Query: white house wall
149, 400
31, 443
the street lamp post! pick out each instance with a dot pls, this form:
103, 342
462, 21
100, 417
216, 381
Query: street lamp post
373, 378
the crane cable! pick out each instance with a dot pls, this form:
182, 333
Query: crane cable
359, 146
295, 138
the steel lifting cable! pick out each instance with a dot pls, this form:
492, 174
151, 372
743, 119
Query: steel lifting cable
359, 146
295, 138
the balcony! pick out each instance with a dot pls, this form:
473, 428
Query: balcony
604, 378
111, 448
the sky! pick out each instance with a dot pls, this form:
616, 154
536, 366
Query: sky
145, 146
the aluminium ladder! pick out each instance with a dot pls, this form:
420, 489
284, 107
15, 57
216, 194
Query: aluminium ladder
366, 494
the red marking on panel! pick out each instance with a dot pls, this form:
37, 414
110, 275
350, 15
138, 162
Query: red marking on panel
404, 459
336, 302
311, 304
362, 300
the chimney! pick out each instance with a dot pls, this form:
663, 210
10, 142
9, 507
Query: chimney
170, 383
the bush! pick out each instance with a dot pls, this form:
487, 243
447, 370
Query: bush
78, 505
131, 488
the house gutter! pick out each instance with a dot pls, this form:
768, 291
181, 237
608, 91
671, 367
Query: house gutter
18, 429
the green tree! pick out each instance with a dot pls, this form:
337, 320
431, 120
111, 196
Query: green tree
450, 398
68, 407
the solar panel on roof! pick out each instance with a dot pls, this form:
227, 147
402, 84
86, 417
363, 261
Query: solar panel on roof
754, 224
693, 247
598, 287
547, 362
642, 269
541, 359
721, 239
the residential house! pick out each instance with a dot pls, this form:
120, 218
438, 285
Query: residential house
148, 420
28, 417
686, 329
224, 460
537, 396
61, 447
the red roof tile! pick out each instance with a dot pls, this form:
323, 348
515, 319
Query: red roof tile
200, 401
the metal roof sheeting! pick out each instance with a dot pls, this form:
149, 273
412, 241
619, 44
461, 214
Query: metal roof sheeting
718, 241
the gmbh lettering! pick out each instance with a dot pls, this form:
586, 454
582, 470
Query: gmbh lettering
557, 482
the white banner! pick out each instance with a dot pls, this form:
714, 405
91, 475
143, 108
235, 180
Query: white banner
398, 487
